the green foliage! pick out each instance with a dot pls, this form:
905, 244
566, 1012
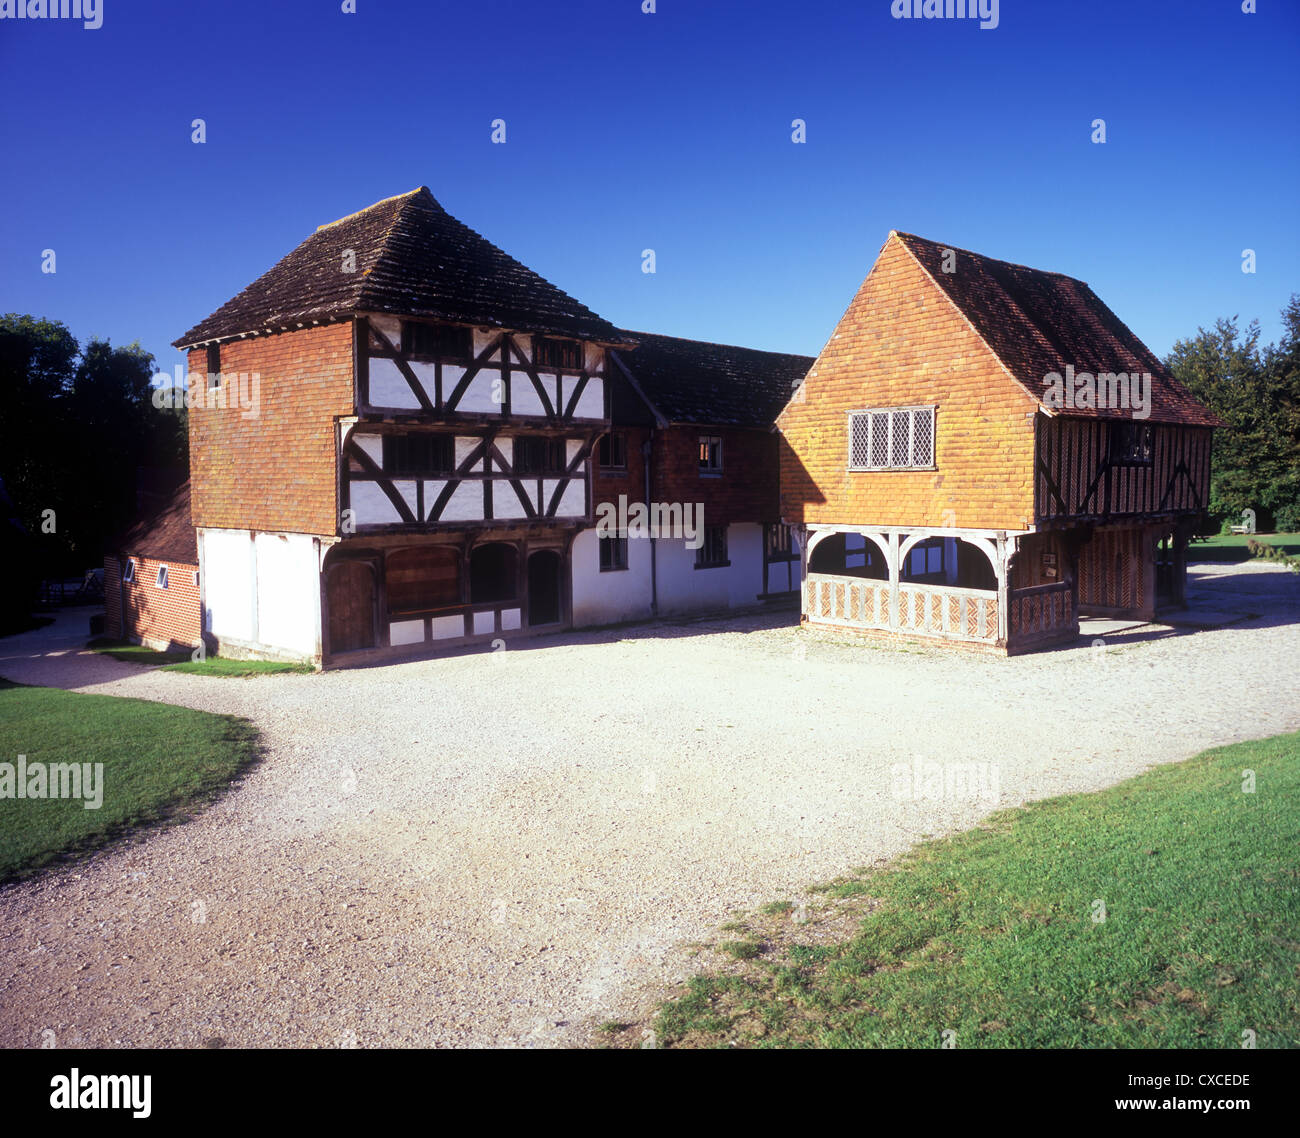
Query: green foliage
1256, 391
77, 425
1267, 552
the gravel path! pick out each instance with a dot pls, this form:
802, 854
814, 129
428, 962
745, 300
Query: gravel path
511, 848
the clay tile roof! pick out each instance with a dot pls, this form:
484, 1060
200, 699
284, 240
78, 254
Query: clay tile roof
690, 381
167, 535
412, 259
1037, 322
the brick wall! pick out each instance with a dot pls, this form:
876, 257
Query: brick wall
607, 487
902, 342
746, 491
152, 613
277, 470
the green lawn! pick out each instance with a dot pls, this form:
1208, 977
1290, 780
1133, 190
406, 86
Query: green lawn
1232, 547
184, 661
159, 762
990, 934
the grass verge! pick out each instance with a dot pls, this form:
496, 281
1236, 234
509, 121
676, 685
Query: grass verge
1163, 912
159, 763
1232, 546
184, 662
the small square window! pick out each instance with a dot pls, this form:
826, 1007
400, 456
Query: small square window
436, 341
536, 456
713, 551
613, 553
162, 576
564, 354
418, 454
1131, 444
710, 454
612, 452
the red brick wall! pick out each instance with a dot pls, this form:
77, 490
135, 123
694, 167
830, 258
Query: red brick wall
607, 487
151, 612
275, 471
746, 491
902, 342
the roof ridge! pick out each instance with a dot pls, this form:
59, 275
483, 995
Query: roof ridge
715, 344
984, 256
375, 205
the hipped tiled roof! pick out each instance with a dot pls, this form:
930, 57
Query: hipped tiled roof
412, 258
166, 535
1039, 322
691, 381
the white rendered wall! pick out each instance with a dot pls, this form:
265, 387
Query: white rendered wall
227, 576
607, 598
683, 588
288, 592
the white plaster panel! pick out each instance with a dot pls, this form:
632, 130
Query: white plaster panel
372, 445
390, 326
388, 387
465, 504
464, 448
592, 403
478, 395
505, 502
448, 627
484, 622
288, 592
370, 505
228, 583
510, 619
524, 399
406, 632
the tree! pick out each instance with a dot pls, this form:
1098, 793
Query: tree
1257, 394
76, 427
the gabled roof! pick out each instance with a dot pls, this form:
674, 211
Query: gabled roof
690, 381
167, 535
1038, 322
412, 259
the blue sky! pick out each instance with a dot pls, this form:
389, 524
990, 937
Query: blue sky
670, 131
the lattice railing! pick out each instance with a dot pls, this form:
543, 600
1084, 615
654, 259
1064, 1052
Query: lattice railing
1040, 612
927, 610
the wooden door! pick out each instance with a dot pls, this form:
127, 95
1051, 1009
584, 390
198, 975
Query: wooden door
350, 595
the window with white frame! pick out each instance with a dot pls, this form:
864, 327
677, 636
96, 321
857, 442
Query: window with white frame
162, 576
891, 438
128, 570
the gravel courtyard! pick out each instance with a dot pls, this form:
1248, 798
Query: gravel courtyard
510, 848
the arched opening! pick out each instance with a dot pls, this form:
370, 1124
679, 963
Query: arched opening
350, 599
932, 561
544, 606
848, 555
493, 573
422, 580
951, 561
